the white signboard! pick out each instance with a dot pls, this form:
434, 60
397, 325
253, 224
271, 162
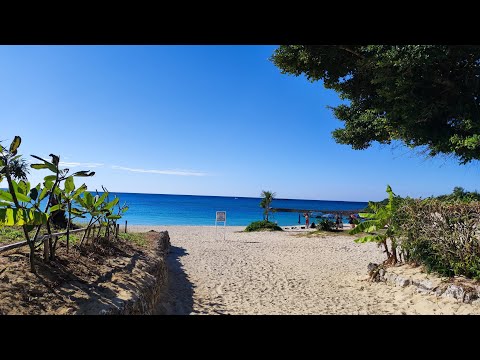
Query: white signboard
221, 216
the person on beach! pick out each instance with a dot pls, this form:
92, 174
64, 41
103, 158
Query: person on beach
337, 221
352, 221
307, 220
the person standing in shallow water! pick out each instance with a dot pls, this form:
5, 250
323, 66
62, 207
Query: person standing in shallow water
307, 220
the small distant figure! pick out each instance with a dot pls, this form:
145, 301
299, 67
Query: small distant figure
299, 218
307, 220
352, 220
338, 222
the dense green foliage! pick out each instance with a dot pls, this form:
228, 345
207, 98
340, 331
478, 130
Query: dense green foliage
326, 225
425, 96
263, 226
267, 198
459, 194
20, 205
443, 236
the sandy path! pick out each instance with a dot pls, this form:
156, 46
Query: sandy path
282, 273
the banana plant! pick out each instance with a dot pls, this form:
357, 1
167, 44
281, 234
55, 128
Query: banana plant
52, 189
380, 226
18, 204
68, 196
98, 207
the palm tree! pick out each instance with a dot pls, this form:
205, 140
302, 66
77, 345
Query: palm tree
16, 166
267, 198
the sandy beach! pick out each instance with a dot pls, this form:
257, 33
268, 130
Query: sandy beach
282, 273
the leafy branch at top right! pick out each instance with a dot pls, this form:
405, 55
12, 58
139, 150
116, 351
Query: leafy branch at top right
425, 96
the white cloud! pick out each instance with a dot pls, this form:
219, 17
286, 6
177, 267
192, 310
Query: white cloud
75, 164
163, 172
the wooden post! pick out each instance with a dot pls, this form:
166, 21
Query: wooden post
117, 230
125, 226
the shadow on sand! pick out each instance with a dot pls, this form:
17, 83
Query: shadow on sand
178, 298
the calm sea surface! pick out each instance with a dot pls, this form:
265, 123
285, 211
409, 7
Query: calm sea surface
156, 209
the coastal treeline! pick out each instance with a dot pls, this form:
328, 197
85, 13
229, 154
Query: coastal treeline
53, 204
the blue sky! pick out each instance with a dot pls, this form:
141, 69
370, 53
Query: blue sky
201, 120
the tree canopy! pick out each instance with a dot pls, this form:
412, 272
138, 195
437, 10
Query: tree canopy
422, 95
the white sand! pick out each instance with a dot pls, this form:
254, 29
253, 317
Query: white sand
282, 273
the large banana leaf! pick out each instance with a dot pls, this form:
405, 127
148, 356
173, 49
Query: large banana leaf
46, 165
112, 203
371, 238
12, 217
69, 184
100, 199
15, 144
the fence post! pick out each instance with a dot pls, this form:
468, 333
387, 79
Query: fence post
125, 226
117, 230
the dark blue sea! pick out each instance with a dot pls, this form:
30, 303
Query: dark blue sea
157, 209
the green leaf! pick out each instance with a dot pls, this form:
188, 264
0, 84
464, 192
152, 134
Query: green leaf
125, 209
34, 194
39, 166
367, 215
46, 165
4, 203
21, 197
43, 193
101, 199
79, 191
50, 178
84, 173
56, 208
23, 187
371, 238
69, 184
89, 199
15, 144
114, 217
76, 211
112, 203
5, 195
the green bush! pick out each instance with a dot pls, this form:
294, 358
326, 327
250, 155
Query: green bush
441, 235
326, 225
263, 226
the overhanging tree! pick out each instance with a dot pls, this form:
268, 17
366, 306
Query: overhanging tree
425, 96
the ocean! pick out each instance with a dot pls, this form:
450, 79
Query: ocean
160, 209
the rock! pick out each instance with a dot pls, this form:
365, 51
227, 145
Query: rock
455, 292
470, 296
401, 281
390, 277
427, 285
371, 267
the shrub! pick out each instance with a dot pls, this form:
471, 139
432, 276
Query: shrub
326, 225
263, 226
442, 236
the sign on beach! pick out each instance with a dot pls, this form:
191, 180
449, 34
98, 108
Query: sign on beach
221, 216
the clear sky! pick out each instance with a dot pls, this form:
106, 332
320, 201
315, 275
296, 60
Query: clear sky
200, 120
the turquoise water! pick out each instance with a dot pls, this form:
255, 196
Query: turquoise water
157, 209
